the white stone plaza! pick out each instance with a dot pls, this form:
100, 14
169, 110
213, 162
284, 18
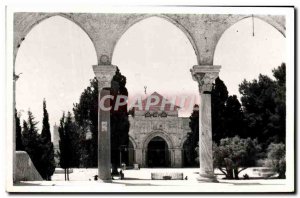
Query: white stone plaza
140, 181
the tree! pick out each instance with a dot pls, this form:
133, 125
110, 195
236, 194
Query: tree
119, 120
234, 155
69, 144
263, 102
19, 143
63, 147
276, 159
219, 96
192, 138
227, 118
233, 118
32, 142
48, 162
72, 137
86, 117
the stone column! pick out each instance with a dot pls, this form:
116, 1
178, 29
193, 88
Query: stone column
104, 75
139, 156
178, 158
205, 76
144, 158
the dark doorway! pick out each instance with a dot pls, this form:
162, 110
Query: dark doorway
158, 153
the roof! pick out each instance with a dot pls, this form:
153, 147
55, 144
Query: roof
168, 106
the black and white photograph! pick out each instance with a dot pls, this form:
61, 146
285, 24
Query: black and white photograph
161, 99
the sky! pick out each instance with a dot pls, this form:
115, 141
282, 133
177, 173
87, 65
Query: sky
56, 60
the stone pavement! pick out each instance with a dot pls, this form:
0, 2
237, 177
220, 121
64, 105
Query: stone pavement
140, 181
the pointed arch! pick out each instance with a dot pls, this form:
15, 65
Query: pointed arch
160, 134
141, 18
133, 142
184, 139
25, 22
279, 26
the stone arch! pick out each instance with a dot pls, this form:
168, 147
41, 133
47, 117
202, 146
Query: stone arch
185, 162
163, 135
168, 141
23, 27
133, 142
140, 18
183, 141
279, 25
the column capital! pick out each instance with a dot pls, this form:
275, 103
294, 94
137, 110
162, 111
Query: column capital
104, 75
205, 75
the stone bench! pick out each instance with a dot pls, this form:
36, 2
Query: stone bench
167, 176
62, 171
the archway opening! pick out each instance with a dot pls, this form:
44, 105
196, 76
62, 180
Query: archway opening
248, 48
131, 154
156, 54
55, 60
158, 153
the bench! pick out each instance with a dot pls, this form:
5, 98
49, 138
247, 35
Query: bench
167, 176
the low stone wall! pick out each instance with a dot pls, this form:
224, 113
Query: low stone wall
167, 176
25, 170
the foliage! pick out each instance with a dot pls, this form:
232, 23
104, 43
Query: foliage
235, 154
64, 148
263, 101
119, 120
86, 117
233, 119
219, 96
47, 160
227, 119
39, 146
69, 143
192, 138
276, 159
32, 143
46, 135
227, 114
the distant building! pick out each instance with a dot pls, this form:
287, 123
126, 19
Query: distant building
157, 135
56, 144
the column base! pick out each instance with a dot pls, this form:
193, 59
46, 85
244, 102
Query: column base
207, 178
104, 181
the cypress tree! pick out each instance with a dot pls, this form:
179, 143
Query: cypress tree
63, 153
72, 139
48, 150
46, 135
219, 96
119, 122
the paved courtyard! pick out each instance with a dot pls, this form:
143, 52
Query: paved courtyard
81, 180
